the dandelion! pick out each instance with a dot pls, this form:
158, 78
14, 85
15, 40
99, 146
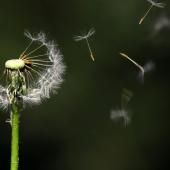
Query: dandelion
153, 3
86, 37
30, 79
123, 112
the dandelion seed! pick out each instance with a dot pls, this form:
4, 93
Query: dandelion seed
86, 37
21, 72
123, 112
153, 3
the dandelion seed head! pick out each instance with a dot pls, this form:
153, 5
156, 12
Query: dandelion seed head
32, 98
49, 74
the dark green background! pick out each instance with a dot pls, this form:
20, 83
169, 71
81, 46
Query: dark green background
73, 130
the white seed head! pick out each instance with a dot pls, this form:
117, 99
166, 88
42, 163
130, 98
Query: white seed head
38, 37
51, 70
14, 64
122, 113
51, 77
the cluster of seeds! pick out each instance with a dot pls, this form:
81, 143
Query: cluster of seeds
33, 77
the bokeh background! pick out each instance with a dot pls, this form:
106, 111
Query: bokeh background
73, 130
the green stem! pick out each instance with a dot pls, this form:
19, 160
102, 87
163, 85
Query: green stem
15, 137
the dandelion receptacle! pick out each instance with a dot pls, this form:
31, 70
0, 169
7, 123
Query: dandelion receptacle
30, 79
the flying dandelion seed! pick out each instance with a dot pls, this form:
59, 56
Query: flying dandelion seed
49, 71
149, 66
122, 113
86, 37
153, 3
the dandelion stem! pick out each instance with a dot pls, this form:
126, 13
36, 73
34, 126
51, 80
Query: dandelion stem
15, 137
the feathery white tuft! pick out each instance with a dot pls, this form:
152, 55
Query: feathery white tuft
122, 113
85, 36
157, 4
116, 115
51, 77
4, 103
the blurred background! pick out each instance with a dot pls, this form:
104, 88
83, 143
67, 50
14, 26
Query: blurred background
74, 130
